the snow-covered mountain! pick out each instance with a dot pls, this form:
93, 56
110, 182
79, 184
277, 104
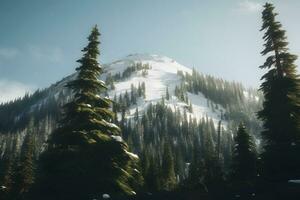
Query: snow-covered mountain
201, 98
163, 74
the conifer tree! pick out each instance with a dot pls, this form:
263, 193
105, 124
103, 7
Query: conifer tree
168, 173
25, 174
85, 157
244, 156
167, 93
213, 169
9, 162
152, 178
219, 140
281, 106
7, 180
197, 170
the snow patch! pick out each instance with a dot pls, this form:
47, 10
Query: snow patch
117, 138
294, 181
161, 75
105, 196
132, 155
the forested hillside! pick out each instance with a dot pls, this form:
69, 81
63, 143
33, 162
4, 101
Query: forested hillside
147, 127
158, 103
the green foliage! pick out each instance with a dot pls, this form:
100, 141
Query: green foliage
125, 101
168, 173
25, 174
70, 174
239, 103
167, 94
135, 67
197, 170
212, 165
151, 172
281, 107
88, 111
244, 167
15, 115
83, 159
7, 177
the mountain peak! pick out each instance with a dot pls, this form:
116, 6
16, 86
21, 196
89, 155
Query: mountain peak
160, 75
149, 57
160, 63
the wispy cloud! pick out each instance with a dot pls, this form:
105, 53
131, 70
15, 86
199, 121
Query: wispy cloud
247, 6
8, 53
48, 54
37, 53
10, 90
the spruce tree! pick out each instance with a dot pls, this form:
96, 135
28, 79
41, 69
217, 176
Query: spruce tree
168, 173
7, 179
85, 158
88, 111
244, 156
25, 174
153, 178
8, 175
197, 170
281, 106
167, 93
213, 168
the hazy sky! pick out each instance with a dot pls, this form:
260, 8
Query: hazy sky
41, 40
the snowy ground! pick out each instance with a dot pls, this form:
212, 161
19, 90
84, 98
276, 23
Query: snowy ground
162, 74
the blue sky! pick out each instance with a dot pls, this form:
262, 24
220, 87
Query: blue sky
41, 40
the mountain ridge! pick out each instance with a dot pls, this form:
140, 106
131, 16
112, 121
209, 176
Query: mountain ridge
141, 81
161, 75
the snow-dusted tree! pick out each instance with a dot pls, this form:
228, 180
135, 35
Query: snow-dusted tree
85, 155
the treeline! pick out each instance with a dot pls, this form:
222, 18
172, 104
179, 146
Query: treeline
18, 165
135, 67
15, 115
161, 135
238, 103
175, 150
171, 144
123, 102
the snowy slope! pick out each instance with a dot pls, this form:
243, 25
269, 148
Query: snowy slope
162, 74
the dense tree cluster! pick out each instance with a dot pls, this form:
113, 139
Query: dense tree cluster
152, 133
135, 67
15, 115
123, 102
18, 170
174, 148
240, 104
92, 147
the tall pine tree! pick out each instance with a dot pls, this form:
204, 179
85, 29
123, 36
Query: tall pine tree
197, 170
85, 158
7, 178
244, 156
281, 106
168, 173
25, 174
